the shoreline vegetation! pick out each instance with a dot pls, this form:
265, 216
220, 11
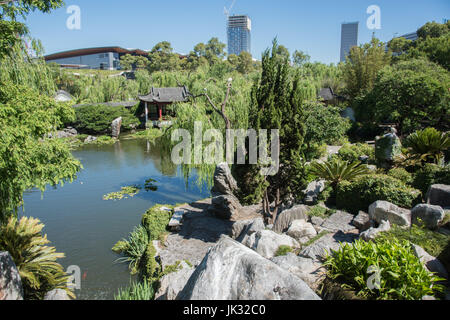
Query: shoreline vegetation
359, 208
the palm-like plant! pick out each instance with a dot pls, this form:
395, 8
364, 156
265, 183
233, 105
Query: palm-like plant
35, 260
337, 170
427, 145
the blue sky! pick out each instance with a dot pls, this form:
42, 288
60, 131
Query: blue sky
310, 26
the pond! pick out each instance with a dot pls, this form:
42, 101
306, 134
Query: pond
81, 224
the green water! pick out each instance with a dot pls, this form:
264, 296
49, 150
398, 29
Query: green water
81, 224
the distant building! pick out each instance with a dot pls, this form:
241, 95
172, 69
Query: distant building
104, 58
410, 36
239, 34
349, 38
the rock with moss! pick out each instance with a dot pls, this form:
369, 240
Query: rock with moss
266, 242
387, 148
431, 216
172, 283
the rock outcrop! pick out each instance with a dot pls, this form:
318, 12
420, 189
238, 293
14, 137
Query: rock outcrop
231, 271
339, 221
428, 215
301, 231
241, 230
285, 218
439, 195
10, 282
267, 242
172, 284
383, 210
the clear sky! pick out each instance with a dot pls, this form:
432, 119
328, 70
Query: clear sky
311, 26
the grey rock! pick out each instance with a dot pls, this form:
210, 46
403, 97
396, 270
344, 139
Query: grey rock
326, 243
245, 228
339, 221
317, 221
383, 210
301, 231
90, 139
225, 207
439, 195
230, 271
430, 215
173, 283
267, 242
387, 148
362, 221
115, 127
224, 183
285, 218
67, 133
307, 269
371, 233
56, 294
62, 96
430, 262
313, 191
10, 282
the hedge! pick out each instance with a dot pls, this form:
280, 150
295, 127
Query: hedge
431, 174
361, 193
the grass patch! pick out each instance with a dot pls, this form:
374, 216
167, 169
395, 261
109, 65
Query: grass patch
283, 250
143, 290
149, 134
321, 212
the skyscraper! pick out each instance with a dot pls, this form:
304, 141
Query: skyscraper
239, 34
349, 38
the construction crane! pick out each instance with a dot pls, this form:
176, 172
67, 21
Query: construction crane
227, 11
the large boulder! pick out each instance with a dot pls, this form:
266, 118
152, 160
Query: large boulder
245, 228
10, 282
339, 221
387, 148
439, 195
383, 210
267, 242
428, 214
430, 262
115, 127
172, 283
285, 218
313, 191
67, 133
226, 207
56, 294
301, 231
328, 242
230, 271
371, 233
307, 269
224, 183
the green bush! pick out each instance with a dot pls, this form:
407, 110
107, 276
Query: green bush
283, 250
431, 174
156, 222
402, 275
96, 119
402, 175
351, 153
361, 193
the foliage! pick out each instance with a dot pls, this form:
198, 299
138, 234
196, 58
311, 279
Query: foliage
283, 250
402, 175
430, 174
320, 211
428, 145
336, 171
27, 157
124, 192
97, 119
414, 94
143, 290
155, 220
149, 134
352, 152
361, 193
133, 248
402, 275
36, 262
362, 66
432, 242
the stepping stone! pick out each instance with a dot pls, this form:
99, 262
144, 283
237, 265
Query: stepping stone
339, 221
175, 221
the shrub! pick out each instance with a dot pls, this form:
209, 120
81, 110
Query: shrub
133, 249
430, 174
319, 211
96, 119
156, 221
402, 175
361, 193
401, 274
428, 145
351, 153
36, 262
137, 291
283, 250
432, 242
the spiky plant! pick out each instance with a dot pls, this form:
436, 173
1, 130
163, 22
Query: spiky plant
137, 291
337, 170
133, 249
35, 260
427, 146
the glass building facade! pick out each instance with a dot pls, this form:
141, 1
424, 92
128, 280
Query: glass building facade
239, 34
349, 38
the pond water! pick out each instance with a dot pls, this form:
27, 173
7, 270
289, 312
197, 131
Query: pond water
81, 224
